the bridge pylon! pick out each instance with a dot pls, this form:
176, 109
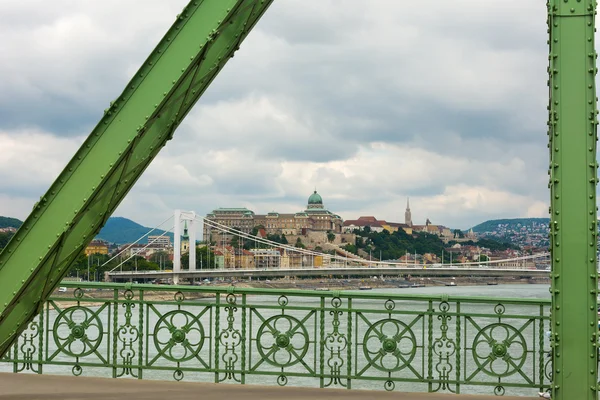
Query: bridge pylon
189, 219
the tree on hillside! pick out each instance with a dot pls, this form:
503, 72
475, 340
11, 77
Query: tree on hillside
330, 236
4, 239
256, 229
8, 222
351, 248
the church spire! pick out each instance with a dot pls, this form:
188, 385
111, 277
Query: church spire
407, 215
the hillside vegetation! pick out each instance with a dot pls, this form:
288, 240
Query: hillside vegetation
122, 230
8, 222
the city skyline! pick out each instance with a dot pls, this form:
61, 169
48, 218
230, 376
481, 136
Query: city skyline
308, 101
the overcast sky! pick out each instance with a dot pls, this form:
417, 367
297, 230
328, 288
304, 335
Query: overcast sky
369, 101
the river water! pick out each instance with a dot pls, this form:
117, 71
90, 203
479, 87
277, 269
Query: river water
367, 325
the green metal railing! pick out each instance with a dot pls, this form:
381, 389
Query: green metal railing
308, 338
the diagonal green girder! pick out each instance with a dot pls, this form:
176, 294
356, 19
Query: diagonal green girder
130, 134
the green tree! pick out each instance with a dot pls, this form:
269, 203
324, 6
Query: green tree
256, 229
139, 263
299, 244
351, 248
97, 265
4, 239
162, 259
204, 258
330, 236
459, 233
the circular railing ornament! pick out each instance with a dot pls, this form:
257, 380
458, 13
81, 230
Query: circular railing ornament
179, 336
282, 340
499, 349
389, 345
77, 331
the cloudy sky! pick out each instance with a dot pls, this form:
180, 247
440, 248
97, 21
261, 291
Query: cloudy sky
369, 101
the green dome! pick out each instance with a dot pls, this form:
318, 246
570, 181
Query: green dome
315, 198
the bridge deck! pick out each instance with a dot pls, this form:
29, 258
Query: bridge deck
30, 386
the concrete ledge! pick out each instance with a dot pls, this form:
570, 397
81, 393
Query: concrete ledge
30, 386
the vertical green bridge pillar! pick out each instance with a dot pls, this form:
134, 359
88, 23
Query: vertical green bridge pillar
572, 131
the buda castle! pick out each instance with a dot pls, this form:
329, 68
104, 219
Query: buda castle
314, 218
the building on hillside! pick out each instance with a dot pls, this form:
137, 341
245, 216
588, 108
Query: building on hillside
380, 225
439, 230
96, 247
266, 258
448, 236
374, 224
237, 258
314, 218
142, 250
290, 259
362, 222
219, 259
394, 226
162, 241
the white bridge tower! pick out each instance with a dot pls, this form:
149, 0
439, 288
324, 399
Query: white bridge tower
190, 217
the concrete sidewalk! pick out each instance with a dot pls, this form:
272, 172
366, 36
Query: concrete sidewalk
46, 387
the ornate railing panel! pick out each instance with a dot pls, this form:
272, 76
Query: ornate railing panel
308, 338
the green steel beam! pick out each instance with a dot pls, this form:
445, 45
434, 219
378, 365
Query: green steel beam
572, 132
130, 134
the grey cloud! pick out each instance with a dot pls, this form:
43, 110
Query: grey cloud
460, 83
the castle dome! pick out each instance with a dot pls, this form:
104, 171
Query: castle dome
315, 198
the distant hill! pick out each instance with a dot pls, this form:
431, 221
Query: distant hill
122, 230
511, 224
8, 222
117, 230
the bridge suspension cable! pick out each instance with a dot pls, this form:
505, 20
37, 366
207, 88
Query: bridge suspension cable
141, 237
139, 251
224, 228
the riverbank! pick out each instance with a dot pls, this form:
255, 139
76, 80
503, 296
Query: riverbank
160, 294
357, 284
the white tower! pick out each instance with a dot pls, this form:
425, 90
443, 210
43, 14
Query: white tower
190, 217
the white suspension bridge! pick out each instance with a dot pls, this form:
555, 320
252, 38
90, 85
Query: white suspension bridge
268, 258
